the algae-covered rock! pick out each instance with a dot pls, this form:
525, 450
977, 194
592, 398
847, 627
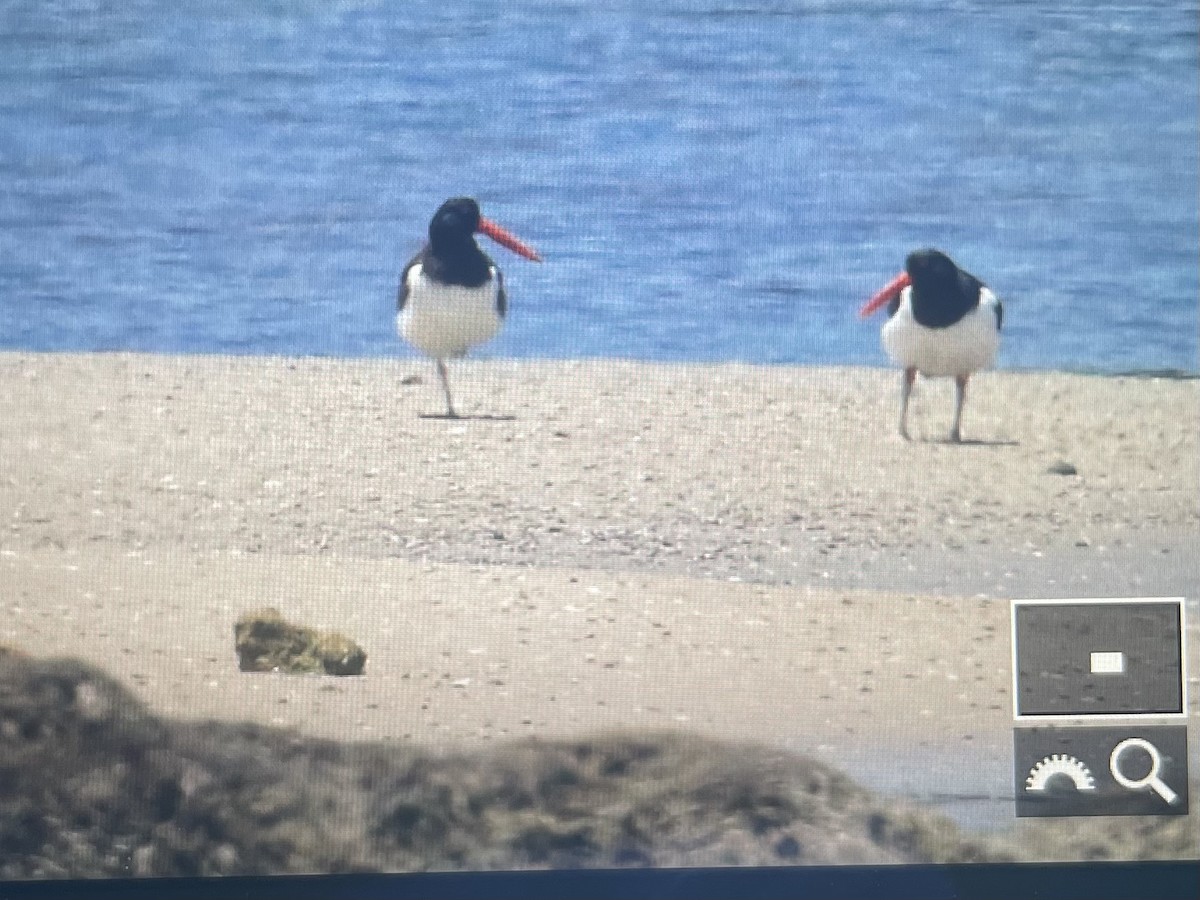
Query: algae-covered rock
266, 642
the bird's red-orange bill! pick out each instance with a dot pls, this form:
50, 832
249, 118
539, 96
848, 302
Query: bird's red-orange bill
890, 290
507, 239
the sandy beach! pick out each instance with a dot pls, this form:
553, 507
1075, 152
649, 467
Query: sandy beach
746, 552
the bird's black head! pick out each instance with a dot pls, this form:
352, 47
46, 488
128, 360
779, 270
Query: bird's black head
942, 293
931, 270
455, 222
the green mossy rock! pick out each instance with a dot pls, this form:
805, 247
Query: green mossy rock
266, 642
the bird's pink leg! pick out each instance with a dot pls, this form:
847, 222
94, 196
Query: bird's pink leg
906, 385
441, 370
960, 396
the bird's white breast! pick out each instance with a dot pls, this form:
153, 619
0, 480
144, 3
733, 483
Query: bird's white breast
446, 320
966, 346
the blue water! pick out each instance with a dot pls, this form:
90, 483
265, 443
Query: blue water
706, 180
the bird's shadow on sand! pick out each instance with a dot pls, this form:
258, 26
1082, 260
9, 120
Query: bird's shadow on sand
972, 442
480, 417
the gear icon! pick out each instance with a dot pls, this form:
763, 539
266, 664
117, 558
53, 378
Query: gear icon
1060, 764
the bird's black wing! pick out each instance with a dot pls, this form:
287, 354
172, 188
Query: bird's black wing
501, 296
999, 314
402, 292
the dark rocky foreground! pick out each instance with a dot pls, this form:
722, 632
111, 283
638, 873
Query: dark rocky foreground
92, 784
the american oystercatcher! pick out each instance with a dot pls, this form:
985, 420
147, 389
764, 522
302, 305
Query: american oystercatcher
451, 294
941, 321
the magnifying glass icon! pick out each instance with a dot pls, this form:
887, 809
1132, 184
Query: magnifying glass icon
1150, 779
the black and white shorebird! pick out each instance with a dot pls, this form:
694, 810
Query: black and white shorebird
451, 295
942, 321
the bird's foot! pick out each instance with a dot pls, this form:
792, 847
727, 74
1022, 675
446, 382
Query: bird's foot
955, 436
